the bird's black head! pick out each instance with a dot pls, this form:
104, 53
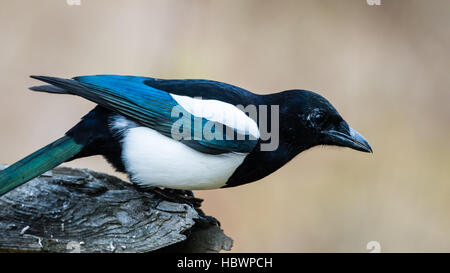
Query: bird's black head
308, 119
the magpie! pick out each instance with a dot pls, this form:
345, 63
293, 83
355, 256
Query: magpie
186, 134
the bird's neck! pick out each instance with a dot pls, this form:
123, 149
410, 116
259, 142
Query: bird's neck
259, 164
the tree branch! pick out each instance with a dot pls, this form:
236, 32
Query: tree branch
79, 210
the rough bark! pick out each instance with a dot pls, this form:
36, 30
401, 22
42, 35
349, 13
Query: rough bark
79, 210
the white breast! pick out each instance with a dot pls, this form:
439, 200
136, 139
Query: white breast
156, 160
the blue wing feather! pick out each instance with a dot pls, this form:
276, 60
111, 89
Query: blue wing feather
131, 97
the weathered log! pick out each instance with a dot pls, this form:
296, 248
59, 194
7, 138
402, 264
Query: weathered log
79, 210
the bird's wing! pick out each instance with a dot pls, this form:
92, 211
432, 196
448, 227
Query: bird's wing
205, 89
209, 126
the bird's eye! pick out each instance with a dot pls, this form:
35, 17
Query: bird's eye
317, 118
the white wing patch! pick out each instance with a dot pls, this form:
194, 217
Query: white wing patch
219, 111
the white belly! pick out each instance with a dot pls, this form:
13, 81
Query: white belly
156, 160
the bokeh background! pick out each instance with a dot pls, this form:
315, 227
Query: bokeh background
385, 68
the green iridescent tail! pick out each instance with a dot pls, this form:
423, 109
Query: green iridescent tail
37, 163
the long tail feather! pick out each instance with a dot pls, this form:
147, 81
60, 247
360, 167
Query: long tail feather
49, 89
38, 162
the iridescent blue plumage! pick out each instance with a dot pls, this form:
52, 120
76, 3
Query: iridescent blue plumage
154, 108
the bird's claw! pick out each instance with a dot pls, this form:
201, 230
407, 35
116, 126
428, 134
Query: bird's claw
207, 220
178, 196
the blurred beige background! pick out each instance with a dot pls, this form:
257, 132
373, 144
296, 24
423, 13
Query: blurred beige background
385, 68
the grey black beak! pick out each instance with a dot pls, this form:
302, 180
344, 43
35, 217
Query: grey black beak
351, 139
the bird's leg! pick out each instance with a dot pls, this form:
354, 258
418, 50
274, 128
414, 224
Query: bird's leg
178, 196
187, 196
172, 195
183, 197
205, 220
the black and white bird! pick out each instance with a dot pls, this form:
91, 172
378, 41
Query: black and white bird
186, 134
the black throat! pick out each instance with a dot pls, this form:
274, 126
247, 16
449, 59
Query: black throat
258, 163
